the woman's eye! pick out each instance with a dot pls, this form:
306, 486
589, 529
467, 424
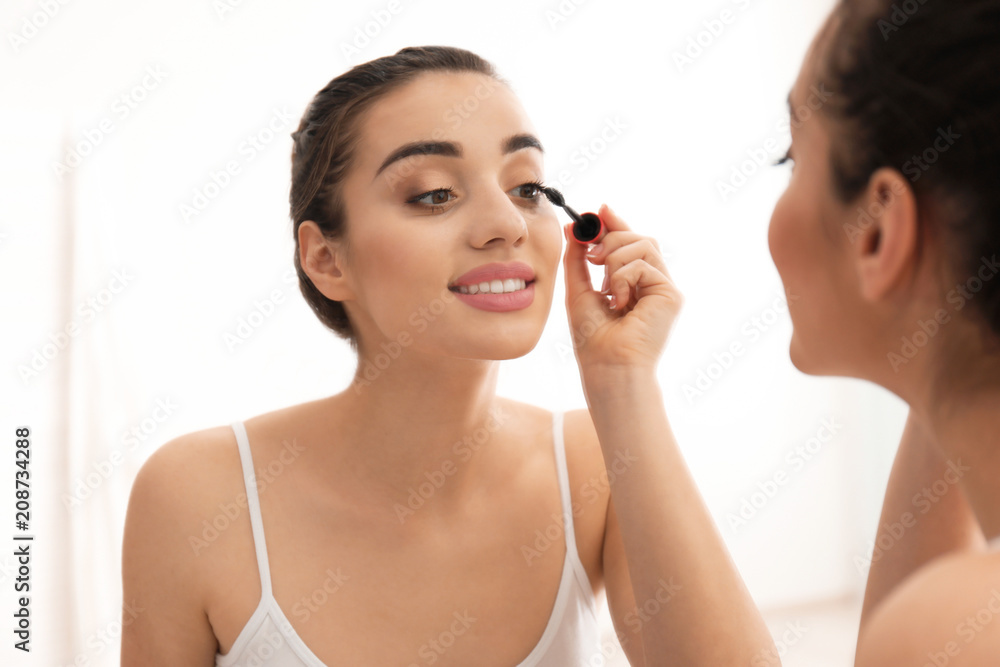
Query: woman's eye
436, 197
533, 190
787, 158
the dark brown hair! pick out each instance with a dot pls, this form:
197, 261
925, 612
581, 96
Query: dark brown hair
917, 88
325, 141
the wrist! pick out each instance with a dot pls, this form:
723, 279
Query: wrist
617, 381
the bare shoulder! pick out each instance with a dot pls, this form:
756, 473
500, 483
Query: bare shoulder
164, 575
948, 612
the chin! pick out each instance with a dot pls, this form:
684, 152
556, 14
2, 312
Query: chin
513, 346
800, 359
825, 363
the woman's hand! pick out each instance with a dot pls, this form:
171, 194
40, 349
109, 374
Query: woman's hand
630, 331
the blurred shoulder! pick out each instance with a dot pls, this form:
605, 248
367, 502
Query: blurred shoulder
183, 468
948, 612
169, 573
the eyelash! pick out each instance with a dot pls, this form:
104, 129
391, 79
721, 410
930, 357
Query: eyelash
787, 158
434, 208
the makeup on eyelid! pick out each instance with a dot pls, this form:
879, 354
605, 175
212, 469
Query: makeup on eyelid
450, 190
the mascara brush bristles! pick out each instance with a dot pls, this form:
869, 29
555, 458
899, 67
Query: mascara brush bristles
556, 198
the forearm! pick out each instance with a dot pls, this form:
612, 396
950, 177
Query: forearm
925, 514
669, 535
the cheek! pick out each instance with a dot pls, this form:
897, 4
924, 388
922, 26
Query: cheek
399, 276
553, 242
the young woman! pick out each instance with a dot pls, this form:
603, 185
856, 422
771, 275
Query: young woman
416, 517
889, 232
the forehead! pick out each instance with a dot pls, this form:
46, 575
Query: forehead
469, 108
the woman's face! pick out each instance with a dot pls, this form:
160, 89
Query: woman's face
409, 244
809, 239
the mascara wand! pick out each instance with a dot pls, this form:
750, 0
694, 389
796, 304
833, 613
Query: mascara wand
587, 228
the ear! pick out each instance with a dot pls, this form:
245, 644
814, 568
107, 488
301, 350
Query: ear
885, 246
322, 260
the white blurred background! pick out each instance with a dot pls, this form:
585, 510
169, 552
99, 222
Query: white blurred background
118, 301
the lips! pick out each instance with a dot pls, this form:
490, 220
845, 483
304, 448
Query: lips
494, 271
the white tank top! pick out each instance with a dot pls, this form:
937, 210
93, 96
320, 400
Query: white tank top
571, 637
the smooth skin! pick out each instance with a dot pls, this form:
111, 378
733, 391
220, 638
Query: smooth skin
863, 287
343, 465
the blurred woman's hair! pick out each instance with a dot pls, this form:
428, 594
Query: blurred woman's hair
916, 86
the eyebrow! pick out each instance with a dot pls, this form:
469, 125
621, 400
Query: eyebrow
791, 108
509, 145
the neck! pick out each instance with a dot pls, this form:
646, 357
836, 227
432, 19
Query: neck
959, 403
422, 425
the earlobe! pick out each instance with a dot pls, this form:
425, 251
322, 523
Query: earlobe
322, 260
886, 248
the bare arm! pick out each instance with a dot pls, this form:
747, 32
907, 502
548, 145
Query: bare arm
673, 548
164, 622
918, 523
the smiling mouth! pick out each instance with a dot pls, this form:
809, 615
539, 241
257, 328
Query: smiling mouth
494, 286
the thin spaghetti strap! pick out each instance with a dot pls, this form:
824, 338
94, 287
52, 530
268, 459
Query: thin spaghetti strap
253, 504
567, 502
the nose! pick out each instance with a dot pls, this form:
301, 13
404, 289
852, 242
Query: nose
498, 221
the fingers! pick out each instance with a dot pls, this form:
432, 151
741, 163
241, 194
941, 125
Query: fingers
646, 279
619, 247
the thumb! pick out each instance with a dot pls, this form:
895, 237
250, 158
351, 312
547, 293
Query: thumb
575, 267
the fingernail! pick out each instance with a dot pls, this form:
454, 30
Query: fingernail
604, 287
593, 251
613, 301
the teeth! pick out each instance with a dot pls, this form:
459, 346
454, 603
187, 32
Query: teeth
494, 287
